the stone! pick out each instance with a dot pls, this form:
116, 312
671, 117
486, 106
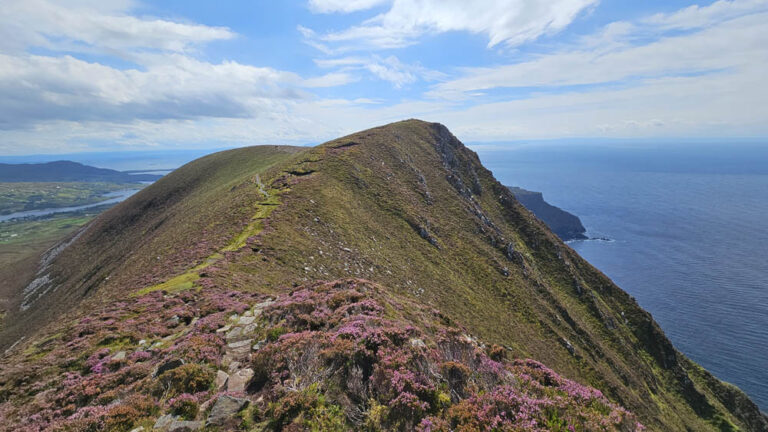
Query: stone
138, 429
170, 364
567, 344
234, 366
250, 329
235, 333
247, 319
417, 343
240, 349
239, 380
120, 356
142, 342
261, 306
224, 329
164, 422
224, 411
221, 380
185, 426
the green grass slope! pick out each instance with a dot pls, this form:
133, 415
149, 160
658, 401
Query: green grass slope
176, 223
407, 207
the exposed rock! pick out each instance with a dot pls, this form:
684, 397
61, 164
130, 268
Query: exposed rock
250, 329
568, 346
185, 426
235, 333
164, 422
240, 349
225, 410
566, 225
426, 236
512, 254
221, 380
239, 380
247, 319
418, 343
120, 356
261, 306
234, 366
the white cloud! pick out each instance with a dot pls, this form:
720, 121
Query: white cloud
737, 43
695, 72
343, 6
329, 80
82, 25
38, 88
696, 16
389, 69
512, 22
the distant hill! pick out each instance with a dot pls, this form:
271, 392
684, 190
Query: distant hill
67, 171
566, 225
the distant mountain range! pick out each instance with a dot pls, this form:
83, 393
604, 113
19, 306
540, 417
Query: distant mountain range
566, 225
67, 171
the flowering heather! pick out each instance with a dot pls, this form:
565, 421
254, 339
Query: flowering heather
344, 355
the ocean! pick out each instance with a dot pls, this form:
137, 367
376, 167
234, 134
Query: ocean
688, 238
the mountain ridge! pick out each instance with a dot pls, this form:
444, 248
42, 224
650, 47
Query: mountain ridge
67, 171
407, 207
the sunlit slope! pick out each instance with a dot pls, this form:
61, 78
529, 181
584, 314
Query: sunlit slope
167, 227
409, 208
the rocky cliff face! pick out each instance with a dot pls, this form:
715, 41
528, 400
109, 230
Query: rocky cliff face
567, 226
381, 281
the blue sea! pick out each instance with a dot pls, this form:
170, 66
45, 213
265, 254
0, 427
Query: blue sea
688, 230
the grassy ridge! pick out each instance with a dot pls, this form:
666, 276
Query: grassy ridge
408, 207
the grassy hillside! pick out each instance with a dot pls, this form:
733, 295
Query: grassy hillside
405, 207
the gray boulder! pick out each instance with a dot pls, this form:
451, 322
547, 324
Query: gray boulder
224, 412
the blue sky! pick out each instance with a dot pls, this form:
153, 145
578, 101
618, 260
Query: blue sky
87, 75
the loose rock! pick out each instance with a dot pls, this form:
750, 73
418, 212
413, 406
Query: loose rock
185, 426
239, 380
225, 410
221, 380
164, 422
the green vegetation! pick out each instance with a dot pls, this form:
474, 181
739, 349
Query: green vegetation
405, 207
22, 238
16, 197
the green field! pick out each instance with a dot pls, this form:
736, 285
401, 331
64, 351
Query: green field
15, 197
21, 238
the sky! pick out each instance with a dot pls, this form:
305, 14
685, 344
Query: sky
108, 75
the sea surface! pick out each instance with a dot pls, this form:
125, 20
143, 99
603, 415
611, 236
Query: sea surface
688, 230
